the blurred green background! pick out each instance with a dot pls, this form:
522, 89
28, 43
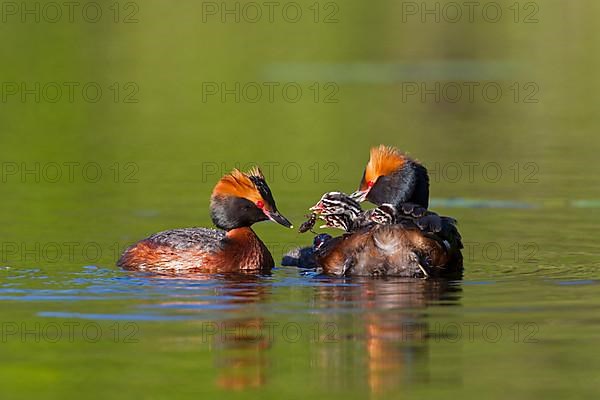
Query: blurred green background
178, 106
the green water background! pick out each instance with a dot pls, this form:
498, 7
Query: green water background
160, 141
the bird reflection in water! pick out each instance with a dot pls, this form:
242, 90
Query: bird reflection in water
238, 335
371, 332
240, 360
380, 323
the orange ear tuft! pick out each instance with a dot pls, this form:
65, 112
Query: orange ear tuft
384, 160
239, 184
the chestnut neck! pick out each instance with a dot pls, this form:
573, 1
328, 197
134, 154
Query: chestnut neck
247, 249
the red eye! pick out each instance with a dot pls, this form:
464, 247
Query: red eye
260, 204
370, 184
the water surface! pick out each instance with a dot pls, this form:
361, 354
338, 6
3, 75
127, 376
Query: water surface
80, 180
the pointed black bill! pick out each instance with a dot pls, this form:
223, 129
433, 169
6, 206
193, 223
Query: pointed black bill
280, 219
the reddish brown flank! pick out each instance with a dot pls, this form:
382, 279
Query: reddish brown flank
147, 255
242, 251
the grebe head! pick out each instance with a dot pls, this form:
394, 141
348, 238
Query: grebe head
242, 199
320, 240
337, 209
337, 203
382, 178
